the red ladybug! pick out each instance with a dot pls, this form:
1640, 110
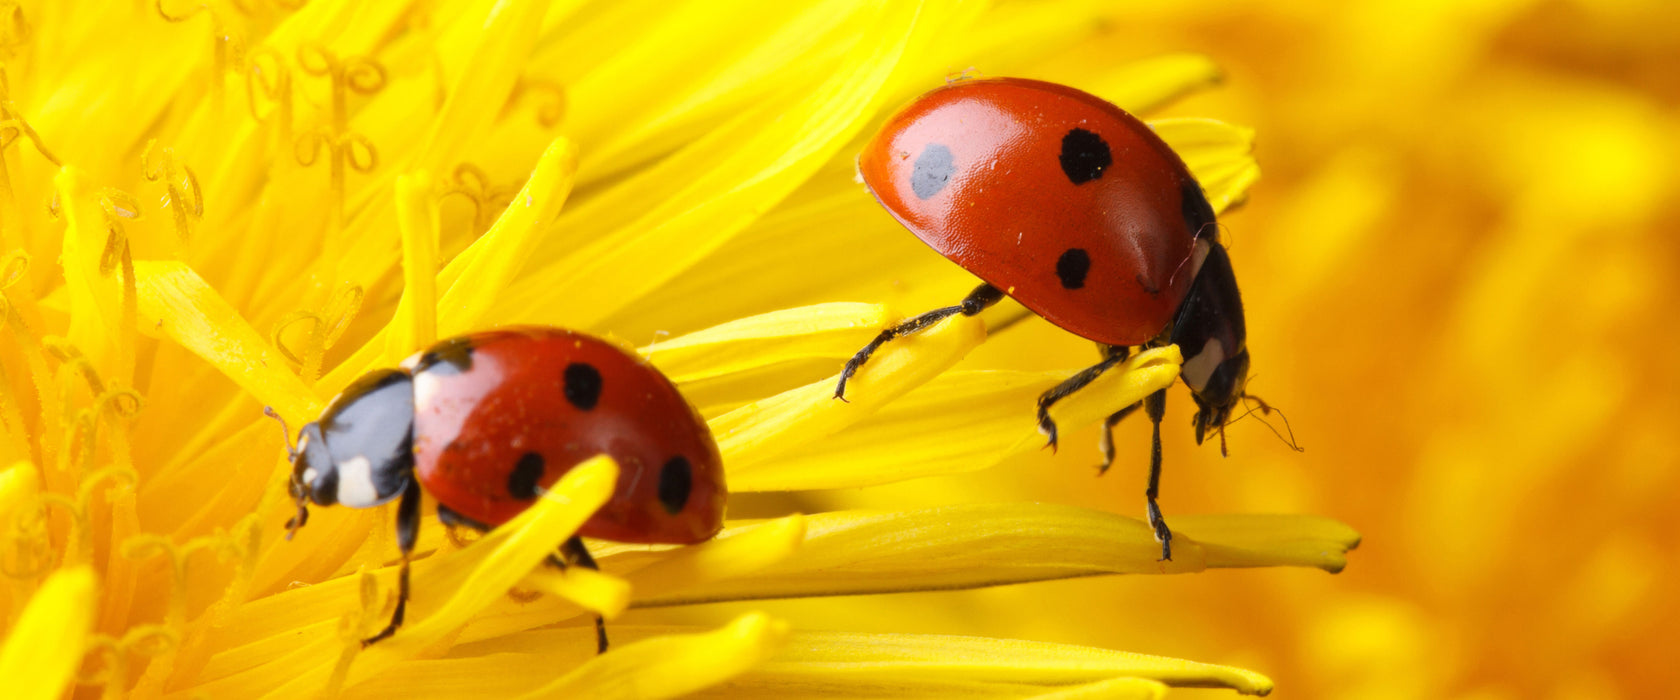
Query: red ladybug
485, 422
1081, 213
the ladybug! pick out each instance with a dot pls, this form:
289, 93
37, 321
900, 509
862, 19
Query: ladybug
485, 422
1078, 211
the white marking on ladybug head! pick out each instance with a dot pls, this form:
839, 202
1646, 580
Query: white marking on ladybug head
1198, 368
309, 476
355, 483
426, 388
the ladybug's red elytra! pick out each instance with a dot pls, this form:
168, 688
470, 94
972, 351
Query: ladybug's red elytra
1078, 211
485, 422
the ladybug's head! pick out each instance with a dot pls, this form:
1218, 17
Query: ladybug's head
360, 452
1209, 331
1220, 392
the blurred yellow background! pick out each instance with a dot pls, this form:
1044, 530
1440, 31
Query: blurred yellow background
1460, 278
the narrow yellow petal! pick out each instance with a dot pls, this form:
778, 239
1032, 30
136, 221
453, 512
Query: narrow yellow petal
42, 651
1147, 85
959, 422
89, 273
1220, 155
671, 666
865, 661
264, 654
733, 553
415, 324
176, 302
727, 181
592, 590
503, 557
20, 483
475, 278
970, 546
819, 331
1124, 688
1239, 541
751, 435
737, 552
504, 42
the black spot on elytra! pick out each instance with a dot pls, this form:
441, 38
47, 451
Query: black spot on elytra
1072, 267
453, 356
1084, 156
1198, 214
522, 483
675, 481
933, 170
583, 385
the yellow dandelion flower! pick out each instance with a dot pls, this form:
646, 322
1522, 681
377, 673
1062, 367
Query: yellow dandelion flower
211, 207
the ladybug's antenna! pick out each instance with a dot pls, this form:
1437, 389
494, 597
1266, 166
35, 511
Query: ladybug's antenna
298, 490
1267, 409
291, 451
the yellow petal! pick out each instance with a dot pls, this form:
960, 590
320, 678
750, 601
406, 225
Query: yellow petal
42, 651
265, 654
179, 304
1220, 155
501, 559
1150, 84
504, 41
750, 436
473, 279
822, 331
961, 421
1140, 688
671, 666
1239, 541
970, 546
592, 590
868, 664
415, 323
737, 552
727, 180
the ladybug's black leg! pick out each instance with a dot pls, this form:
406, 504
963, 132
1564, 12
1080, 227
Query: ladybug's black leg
1108, 434
408, 530
1114, 419
1066, 388
978, 300
573, 552
1156, 407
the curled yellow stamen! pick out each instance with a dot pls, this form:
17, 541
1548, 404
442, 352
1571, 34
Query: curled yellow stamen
117, 205
12, 126
471, 182
146, 546
183, 15
342, 149
145, 640
185, 199
272, 79
549, 97
80, 542
358, 74
72, 356
326, 330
